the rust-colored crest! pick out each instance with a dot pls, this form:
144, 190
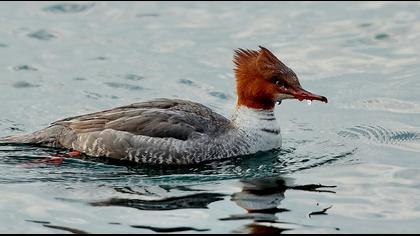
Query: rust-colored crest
244, 58
262, 62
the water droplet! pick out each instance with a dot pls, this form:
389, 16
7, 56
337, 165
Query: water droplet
309, 102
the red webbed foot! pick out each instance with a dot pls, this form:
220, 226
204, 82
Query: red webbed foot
55, 159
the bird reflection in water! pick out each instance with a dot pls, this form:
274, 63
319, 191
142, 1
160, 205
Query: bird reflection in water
261, 198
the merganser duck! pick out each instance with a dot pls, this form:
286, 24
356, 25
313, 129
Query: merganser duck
179, 132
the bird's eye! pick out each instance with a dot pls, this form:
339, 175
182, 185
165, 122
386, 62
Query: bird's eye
279, 83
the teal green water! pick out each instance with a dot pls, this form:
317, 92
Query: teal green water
349, 166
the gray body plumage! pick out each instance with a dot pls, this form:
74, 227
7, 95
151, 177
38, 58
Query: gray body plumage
161, 131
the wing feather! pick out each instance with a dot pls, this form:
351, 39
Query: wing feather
163, 118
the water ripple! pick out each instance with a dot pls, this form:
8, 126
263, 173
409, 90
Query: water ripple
194, 201
133, 77
68, 8
377, 134
43, 35
25, 68
48, 224
387, 105
124, 86
24, 84
168, 230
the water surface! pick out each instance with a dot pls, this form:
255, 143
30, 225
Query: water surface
349, 166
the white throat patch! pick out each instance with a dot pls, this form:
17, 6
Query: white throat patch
260, 127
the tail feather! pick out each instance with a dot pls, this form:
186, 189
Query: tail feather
48, 136
20, 138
